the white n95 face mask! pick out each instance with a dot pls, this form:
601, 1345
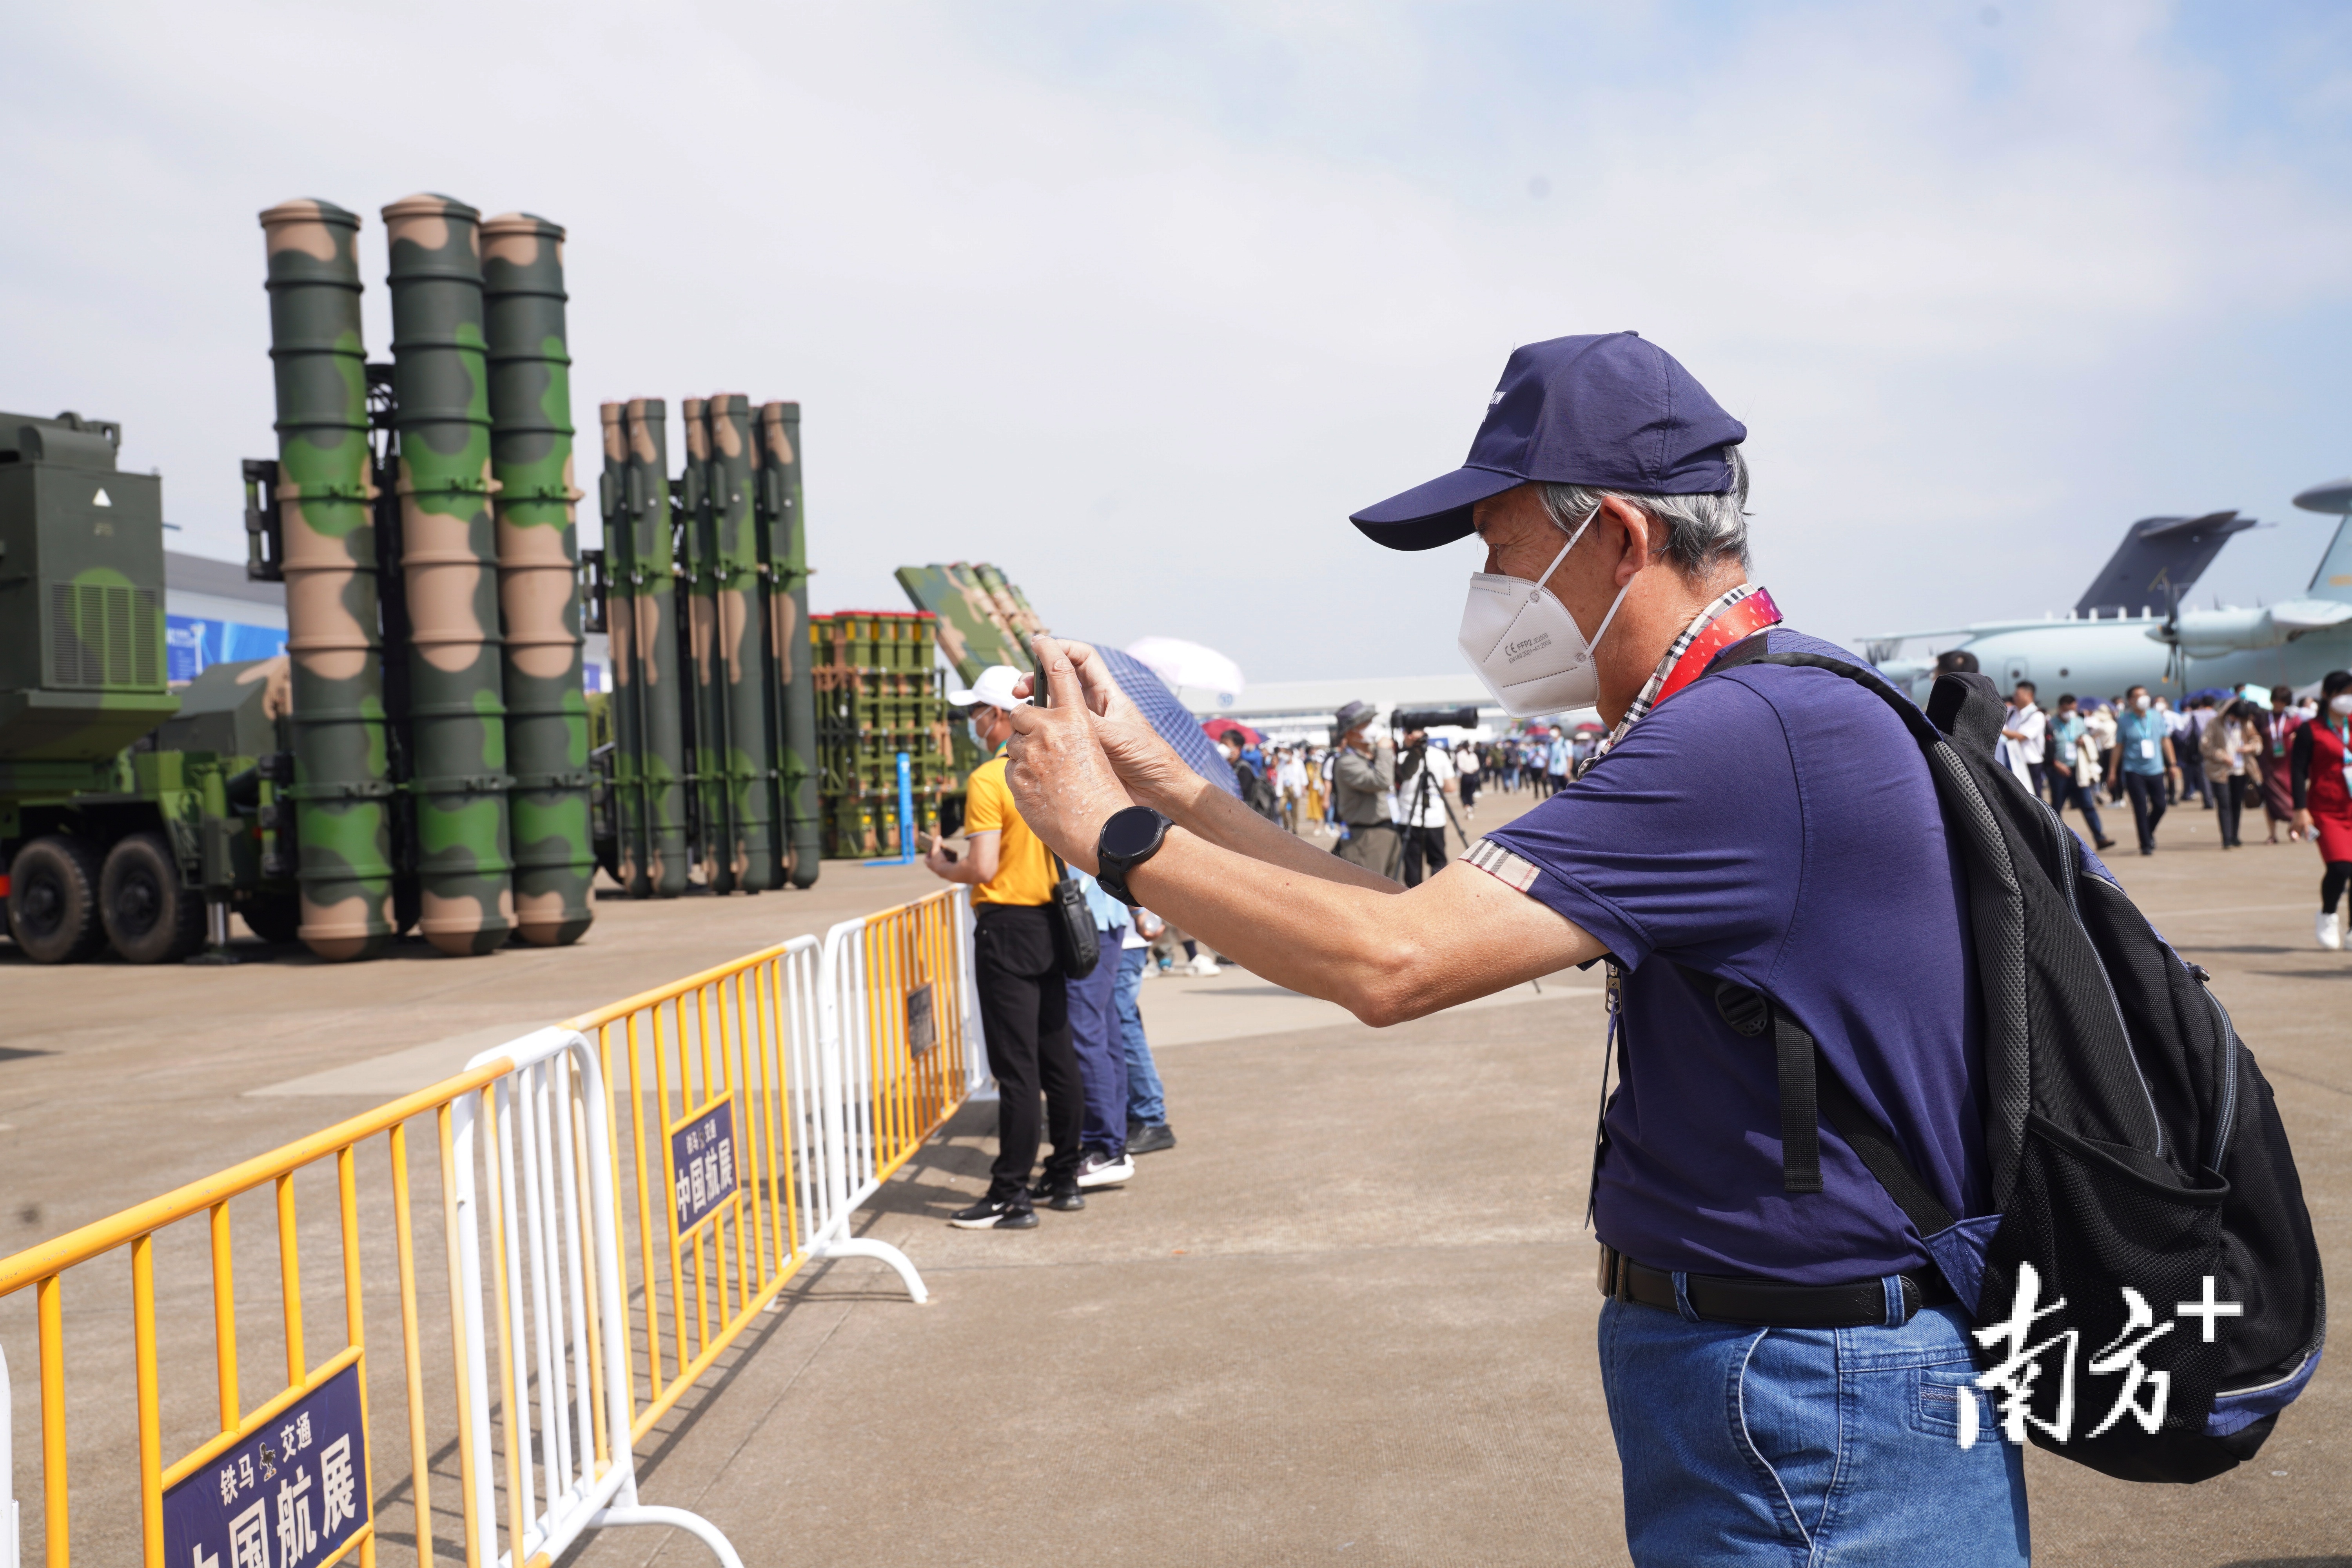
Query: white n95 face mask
1525, 644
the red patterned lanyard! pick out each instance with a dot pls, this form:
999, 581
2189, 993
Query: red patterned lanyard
1743, 620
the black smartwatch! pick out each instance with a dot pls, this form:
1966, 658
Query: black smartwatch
1127, 839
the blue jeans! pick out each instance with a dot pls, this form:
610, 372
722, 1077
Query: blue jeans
1102, 1063
1806, 1447
1145, 1098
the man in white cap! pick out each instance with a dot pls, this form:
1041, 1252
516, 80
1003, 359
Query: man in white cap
1023, 1000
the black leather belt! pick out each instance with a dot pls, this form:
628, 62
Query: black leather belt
1768, 1303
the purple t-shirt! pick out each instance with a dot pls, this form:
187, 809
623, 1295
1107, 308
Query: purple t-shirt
1776, 827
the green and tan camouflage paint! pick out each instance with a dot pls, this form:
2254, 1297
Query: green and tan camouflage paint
794, 674
538, 577
325, 497
626, 704
697, 572
1012, 610
972, 633
741, 746
667, 687
458, 760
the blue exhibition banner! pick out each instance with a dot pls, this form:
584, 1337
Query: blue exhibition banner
192, 645
291, 1495
702, 1159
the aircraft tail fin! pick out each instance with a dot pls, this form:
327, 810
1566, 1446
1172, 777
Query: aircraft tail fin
2158, 563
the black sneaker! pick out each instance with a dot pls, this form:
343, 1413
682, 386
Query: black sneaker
1150, 1140
1066, 1198
996, 1213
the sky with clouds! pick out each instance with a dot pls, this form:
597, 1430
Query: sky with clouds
1140, 299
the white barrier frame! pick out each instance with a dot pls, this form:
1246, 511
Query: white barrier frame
547, 1235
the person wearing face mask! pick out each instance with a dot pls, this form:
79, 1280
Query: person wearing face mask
2143, 760
1024, 1005
2319, 764
1744, 822
1363, 784
2278, 727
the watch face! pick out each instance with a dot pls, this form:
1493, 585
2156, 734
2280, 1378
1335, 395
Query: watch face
1131, 832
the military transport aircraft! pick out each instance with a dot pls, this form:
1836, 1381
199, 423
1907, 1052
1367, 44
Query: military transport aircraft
2131, 629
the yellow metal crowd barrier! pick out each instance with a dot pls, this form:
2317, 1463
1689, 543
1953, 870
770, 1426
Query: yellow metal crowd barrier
328, 1505
746, 1112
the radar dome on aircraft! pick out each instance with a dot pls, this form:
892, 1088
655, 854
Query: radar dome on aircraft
2335, 496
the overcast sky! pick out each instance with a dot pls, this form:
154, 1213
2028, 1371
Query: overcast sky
1138, 300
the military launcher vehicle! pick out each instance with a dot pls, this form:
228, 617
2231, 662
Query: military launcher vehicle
126, 812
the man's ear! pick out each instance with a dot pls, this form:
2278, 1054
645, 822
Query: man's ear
1642, 547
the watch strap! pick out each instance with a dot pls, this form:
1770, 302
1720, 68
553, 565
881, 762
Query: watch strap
1110, 871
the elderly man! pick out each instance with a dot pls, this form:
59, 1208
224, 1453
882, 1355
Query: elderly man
1782, 1360
1363, 788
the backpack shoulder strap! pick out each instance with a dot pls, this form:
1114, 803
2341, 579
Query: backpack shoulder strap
1810, 1091
1812, 1094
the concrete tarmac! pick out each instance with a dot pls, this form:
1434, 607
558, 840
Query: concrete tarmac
1349, 1318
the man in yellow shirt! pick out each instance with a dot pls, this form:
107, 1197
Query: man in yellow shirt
1023, 1002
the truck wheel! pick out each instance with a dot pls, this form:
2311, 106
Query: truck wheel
273, 918
150, 917
53, 900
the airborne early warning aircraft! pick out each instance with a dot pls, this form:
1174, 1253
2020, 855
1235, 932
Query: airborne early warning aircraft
2130, 628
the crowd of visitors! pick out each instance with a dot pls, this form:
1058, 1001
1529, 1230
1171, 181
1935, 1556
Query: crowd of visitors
2228, 751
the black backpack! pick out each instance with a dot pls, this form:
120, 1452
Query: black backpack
2150, 1251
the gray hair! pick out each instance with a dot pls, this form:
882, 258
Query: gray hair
1702, 531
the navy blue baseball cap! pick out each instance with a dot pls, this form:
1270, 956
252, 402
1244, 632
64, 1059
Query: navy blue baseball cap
1604, 409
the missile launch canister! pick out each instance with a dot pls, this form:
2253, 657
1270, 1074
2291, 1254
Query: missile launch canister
538, 577
449, 558
784, 553
325, 500
667, 686
739, 665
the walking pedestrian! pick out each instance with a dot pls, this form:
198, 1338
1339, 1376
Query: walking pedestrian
1763, 1351
2198, 715
2073, 768
1468, 772
1024, 1006
2230, 749
2100, 722
2319, 764
2144, 760
2278, 727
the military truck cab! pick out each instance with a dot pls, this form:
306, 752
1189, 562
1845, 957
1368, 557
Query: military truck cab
123, 809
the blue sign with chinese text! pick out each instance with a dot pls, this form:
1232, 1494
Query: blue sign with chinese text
291, 1495
702, 1157
193, 644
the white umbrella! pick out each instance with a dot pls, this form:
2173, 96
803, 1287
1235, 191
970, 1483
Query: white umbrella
1187, 665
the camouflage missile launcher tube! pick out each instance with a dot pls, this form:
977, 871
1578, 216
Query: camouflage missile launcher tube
1012, 611
449, 558
785, 555
538, 577
740, 696
697, 551
665, 686
628, 684
326, 500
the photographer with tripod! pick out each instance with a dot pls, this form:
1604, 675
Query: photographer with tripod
1425, 776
